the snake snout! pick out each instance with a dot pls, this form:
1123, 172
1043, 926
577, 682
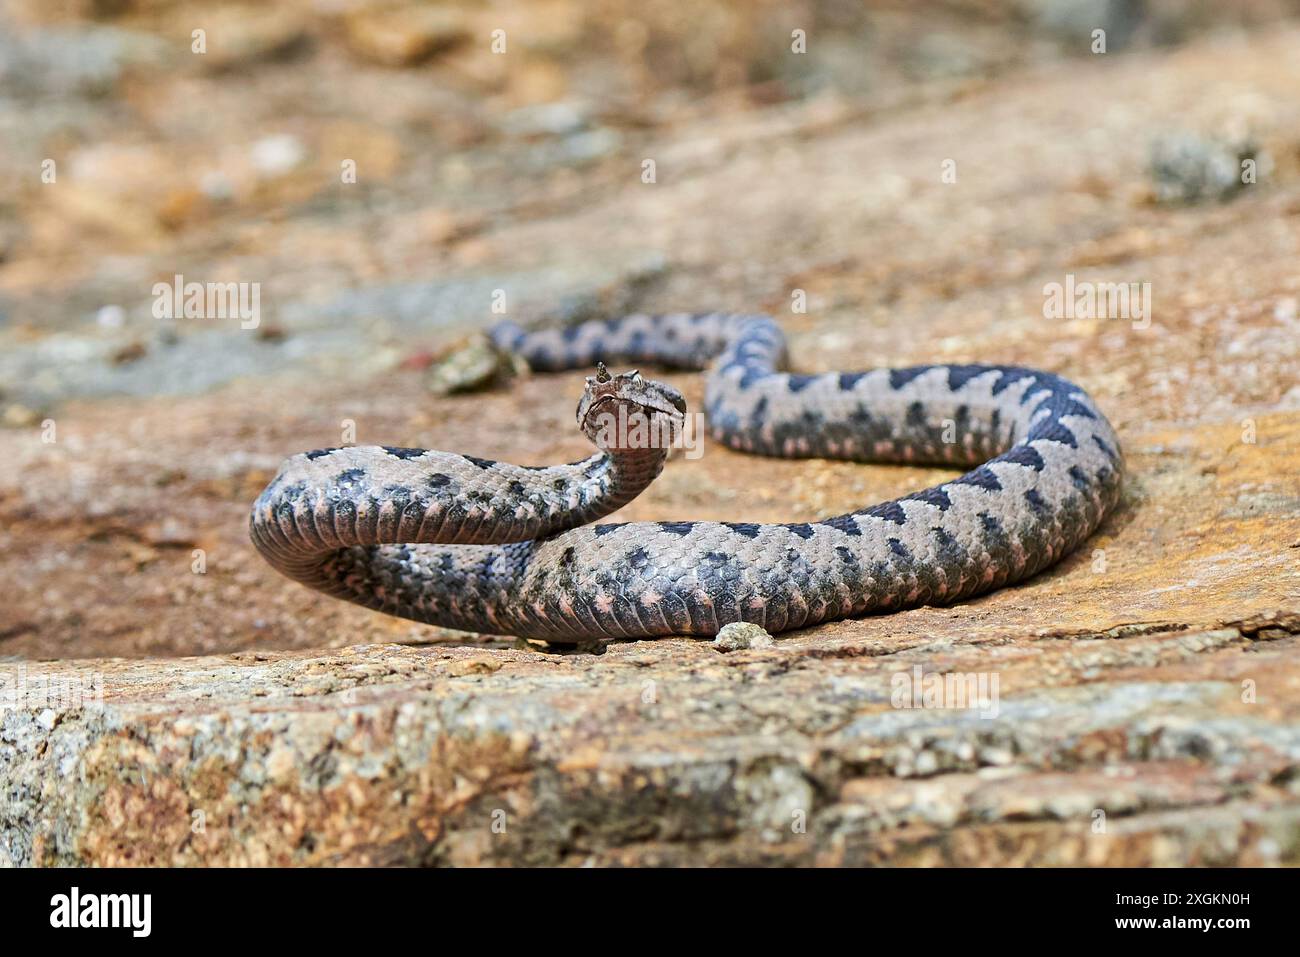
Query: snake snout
628, 411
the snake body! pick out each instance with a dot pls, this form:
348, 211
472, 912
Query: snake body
486, 546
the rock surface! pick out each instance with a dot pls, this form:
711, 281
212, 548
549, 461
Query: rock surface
166, 698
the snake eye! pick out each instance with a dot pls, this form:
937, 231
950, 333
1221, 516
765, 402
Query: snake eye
679, 403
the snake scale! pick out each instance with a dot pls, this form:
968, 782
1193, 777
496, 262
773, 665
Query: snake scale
486, 546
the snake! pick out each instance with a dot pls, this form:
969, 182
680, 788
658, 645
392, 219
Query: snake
484, 546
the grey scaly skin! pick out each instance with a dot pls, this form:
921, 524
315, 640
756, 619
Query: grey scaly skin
488, 546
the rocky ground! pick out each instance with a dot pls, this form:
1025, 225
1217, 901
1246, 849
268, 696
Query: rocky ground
1147, 705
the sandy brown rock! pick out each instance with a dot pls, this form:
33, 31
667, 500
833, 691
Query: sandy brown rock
1144, 750
174, 701
404, 36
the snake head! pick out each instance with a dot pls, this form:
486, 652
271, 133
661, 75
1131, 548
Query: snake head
628, 411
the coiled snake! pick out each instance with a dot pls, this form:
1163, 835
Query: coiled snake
487, 546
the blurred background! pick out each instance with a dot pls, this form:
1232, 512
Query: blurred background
226, 164
393, 176
897, 182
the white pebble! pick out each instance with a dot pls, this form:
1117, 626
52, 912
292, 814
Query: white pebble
276, 155
739, 635
111, 316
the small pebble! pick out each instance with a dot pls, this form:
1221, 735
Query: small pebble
1188, 169
130, 352
474, 364
277, 155
216, 186
19, 416
474, 666
111, 317
740, 635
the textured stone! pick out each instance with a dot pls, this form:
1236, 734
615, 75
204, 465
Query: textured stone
1191, 169
238, 38
168, 699
382, 754
405, 36
739, 635
474, 364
